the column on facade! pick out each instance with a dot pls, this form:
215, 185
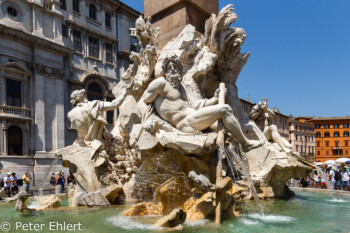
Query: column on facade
69, 5
37, 17
83, 11
59, 114
114, 46
4, 137
49, 104
1, 138
57, 25
103, 19
103, 55
25, 94
39, 95
85, 47
2, 88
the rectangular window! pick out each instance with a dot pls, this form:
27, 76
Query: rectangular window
346, 125
318, 143
296, 148
317, 126
108, 19
326, 126
94, 48
14, 93
327, 152
336, 143
296, 137
336, 134
346, 152
76, 5
64, 30
63, 4
296, 127
336, 126
346, 134
77, 40
327, 144
318, 152
346, 143
327, 134
109, 53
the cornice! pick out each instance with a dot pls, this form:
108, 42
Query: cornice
4, 30
84, 27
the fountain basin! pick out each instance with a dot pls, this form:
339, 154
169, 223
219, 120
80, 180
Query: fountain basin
308, 211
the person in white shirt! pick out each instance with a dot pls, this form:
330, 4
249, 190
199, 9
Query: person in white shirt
332, 174
345, 180
7, 184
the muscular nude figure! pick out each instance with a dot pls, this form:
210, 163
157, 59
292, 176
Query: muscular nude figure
166, 93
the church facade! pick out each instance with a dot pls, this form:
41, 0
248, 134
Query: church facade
49, 49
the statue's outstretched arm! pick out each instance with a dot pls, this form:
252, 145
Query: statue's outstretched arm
108, 106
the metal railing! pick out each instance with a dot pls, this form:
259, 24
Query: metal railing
12, 110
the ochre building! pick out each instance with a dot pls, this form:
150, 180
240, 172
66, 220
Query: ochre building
332, 137
302, 137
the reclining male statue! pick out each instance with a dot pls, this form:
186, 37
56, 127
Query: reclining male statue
261, 114
172, 105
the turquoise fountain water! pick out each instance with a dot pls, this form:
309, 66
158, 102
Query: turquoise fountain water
308, 211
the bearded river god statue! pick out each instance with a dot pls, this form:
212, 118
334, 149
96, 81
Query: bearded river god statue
179, 114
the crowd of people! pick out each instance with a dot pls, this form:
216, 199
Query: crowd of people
10, 183
335, 177
58, 181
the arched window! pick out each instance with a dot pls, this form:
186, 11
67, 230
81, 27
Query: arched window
94, 92
92, 11
108, 19
15, 141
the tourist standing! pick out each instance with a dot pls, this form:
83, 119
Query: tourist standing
63, 180
52, 182
331, 177
26, 181
338, 177
14, 187
7, 184
58, 183
345, 179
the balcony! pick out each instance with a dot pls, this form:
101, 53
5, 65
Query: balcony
14, 112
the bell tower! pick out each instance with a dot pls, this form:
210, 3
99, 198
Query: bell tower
173, 15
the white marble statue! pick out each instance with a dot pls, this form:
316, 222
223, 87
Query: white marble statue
261, 114
87, 116
170, 102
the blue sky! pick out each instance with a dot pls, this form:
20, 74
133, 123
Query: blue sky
300, 54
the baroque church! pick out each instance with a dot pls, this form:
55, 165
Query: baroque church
48, 49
